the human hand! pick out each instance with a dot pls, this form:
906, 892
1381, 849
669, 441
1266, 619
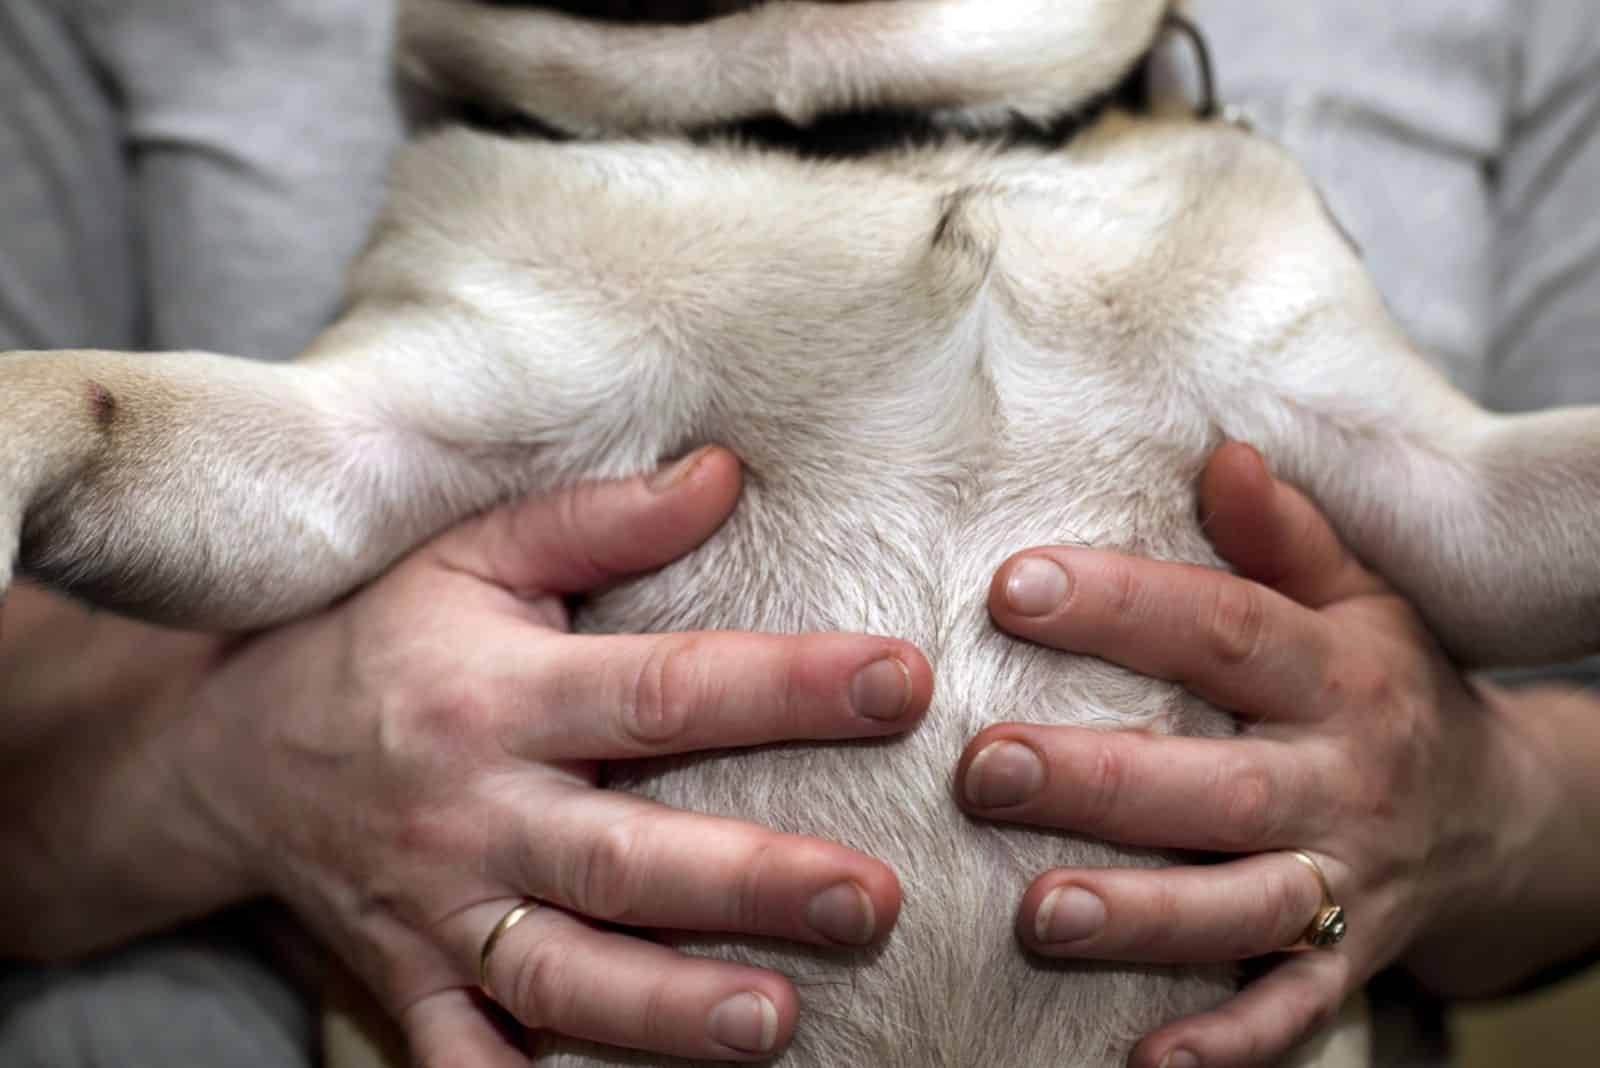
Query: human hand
408, 767
1362, 746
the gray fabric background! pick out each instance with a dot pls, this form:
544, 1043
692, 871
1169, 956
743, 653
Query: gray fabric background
186, 173
197, 174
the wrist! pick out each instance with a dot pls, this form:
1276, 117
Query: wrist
100, 843
247, 766
1528, 905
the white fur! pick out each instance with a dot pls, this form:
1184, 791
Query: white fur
927, 360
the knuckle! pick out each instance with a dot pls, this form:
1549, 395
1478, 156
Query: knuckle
743, 909
1255, 1040
1107, 782
1163, 921
1318, 1018
1287, 905
459, 711
656, 1016
543, 984
1233, 622
462, 710
659, 708
1122, 592
1248, 808
1256, 1047
571, 511
1364, 682
1379, 690
795, 694
426, 833
1306, 1012
609, 871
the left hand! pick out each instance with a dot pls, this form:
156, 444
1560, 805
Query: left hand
1363, 746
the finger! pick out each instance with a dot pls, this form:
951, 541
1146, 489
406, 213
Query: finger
1237, 795
455, 1028
1264, 1021
1228, 640
555, 973
581, 538
626, 860
1235, 911
1274, 535
630, 696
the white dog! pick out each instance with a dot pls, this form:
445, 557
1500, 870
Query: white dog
927, 358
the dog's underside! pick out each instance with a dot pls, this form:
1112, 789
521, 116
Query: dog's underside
926, 357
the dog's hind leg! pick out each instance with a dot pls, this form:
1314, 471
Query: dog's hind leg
1489, 523
1502, 542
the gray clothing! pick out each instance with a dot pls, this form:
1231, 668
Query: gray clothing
198, 173
186, 173
207, 996
1459, 142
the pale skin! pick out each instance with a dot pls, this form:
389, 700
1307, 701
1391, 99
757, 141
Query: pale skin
404, 768
1453, 819
445, 713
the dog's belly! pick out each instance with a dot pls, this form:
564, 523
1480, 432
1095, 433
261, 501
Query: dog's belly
952, 988
925, 366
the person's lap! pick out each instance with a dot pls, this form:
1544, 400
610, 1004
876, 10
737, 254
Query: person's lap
207, 995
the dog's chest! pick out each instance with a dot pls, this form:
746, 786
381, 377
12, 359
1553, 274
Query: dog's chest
926, 363
924, 370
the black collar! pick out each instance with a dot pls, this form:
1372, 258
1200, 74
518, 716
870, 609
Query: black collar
852, 135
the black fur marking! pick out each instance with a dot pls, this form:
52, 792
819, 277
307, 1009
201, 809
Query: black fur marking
853, 135
634, 12
102, 406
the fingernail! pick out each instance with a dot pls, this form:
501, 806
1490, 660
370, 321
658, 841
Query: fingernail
881, 691
1180, 1058
1036, 587
843, 914
1003, 775
665, 478
1069, 914
745, 1022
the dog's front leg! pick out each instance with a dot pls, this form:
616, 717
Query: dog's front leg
197, 489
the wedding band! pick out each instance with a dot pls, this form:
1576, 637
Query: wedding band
508, 921
1327, 928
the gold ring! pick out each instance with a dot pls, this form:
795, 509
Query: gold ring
508, 921
1328, 927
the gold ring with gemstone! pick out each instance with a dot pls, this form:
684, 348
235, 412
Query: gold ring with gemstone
508, 921
1328, 927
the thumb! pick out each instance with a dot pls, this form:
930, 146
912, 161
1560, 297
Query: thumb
581, 538
1274, 535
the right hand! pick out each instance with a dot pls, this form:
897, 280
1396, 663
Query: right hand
407, 767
